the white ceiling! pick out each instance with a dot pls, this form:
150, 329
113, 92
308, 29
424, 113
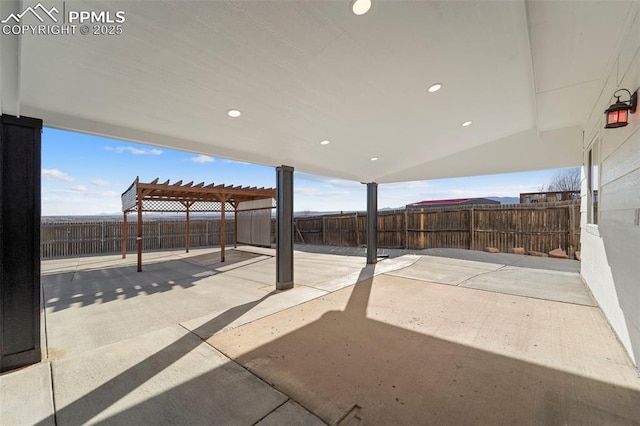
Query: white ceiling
526, 73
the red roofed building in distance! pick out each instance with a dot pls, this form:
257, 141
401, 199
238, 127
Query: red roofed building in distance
451, 203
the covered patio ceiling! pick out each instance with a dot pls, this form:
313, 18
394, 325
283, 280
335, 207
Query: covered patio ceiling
526, 73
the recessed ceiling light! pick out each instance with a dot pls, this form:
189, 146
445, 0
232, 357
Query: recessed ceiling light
360, 7
325, 143
467, 123
234, 113
374, 158
435, 87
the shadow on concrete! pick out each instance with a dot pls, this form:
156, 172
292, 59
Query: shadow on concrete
103, 285
233, 259
93, 403
509, 259
347, 368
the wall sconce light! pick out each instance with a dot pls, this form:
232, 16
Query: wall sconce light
618, 113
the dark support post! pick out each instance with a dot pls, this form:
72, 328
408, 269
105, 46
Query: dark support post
372, 223
20, 140
235, 225
124, 235
284, 228
139, 238
223, 228
188, 230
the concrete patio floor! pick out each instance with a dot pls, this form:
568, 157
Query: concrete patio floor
421, 339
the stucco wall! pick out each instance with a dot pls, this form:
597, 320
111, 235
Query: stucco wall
611, 249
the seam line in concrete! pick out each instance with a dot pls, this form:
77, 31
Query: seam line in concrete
270, 412
74, 271
53, 395
287, 398
44, 322
480, 274
316, 288
419, 258
230, 273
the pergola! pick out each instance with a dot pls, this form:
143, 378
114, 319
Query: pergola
178, 197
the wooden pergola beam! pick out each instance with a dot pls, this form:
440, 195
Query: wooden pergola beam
188, 190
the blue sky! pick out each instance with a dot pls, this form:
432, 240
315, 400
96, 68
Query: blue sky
85, 175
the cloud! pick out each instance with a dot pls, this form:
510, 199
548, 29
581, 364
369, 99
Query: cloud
83, 191
203, 159
132, 150
100, 182
56, 174
237, 162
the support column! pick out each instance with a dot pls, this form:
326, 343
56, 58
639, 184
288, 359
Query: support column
125, 230
235, 225
20, 140
284, 227
223, 228
188, 230
372, 223
139, 237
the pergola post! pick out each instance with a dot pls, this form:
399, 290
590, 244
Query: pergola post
284, 230
188, 230
235, 225
124, 235
372, 223
139, 238
20, 140
223, 229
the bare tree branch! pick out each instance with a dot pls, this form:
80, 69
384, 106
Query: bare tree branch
565, 180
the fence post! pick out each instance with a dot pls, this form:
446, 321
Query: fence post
356, 228
471, 230
125, 230
324, 237
406, 229
102, 238
423, 244
570, 248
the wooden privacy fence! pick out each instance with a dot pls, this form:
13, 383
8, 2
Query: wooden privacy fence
535, 227
84, 238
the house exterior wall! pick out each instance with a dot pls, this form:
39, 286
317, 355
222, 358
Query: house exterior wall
611, 247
